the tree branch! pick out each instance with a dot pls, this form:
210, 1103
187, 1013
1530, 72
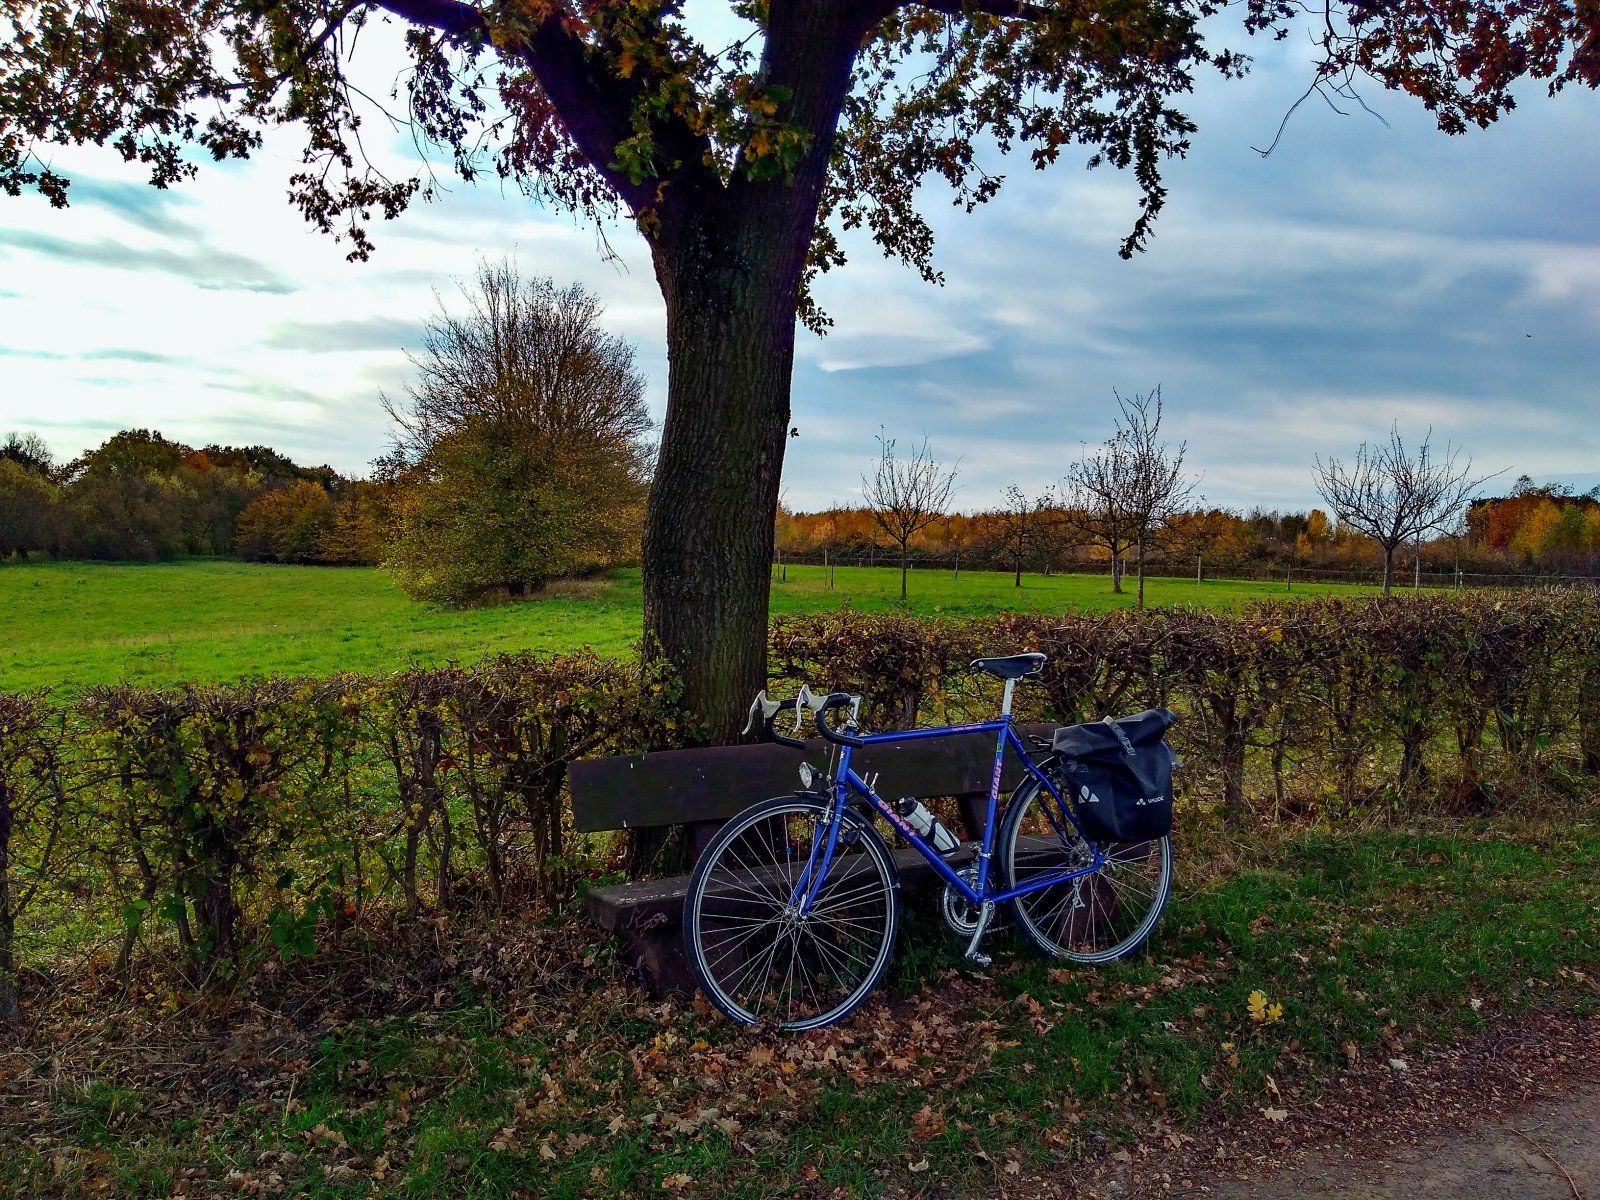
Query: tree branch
448, 16
595, 109
1014, 10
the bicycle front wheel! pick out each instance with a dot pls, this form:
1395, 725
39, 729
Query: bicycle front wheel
757, 957
1095, 918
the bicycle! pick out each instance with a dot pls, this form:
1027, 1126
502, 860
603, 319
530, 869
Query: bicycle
792, 911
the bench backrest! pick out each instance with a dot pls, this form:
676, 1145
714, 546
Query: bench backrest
684, 787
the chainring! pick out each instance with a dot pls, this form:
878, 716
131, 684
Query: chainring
958, 914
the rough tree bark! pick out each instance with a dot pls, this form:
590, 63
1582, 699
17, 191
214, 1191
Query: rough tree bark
730, 265
8, 925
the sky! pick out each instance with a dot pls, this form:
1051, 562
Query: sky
1369, 271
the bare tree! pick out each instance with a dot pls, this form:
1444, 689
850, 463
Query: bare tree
906, 495
1024, 522
1392, 496
1124, 493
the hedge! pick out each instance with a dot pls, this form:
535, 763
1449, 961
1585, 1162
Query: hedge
208, 826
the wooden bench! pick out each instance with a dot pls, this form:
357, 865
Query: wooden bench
704, 788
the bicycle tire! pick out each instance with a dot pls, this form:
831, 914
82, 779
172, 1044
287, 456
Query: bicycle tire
723, 861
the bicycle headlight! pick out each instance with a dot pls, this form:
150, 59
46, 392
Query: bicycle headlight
808, 775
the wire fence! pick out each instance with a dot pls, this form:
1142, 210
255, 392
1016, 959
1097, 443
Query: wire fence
1199, 572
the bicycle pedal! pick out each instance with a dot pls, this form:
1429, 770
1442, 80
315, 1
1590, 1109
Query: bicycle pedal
979, 959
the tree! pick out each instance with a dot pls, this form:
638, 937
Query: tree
29, 451
1098, 488
1125, 493
1157, 486
287, 524
31, 515
1392, 496
1022, 524
520, 450
30, 510
130, 498
739, 166
906, 495
956, 533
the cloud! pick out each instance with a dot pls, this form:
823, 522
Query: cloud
202, 265
154, 209
341, 337
1290, 306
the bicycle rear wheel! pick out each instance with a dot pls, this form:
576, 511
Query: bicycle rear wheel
755, 955
1096, 918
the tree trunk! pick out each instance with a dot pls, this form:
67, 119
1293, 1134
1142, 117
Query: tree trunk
9, 1000
1017, 579
729, 259
1233, 747
1388, 569
905, 566
1116, 571
1589, 717
1141, 572
1413, 766
709, 529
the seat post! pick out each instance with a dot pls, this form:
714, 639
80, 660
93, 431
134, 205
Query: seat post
1005, 705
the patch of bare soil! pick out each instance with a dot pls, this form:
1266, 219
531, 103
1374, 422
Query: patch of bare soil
1513, 1114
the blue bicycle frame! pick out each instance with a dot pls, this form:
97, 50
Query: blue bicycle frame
826, 838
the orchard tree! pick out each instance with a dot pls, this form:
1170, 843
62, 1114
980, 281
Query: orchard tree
1394, 496
1126, 491
906, 495
739, 165
1022, 524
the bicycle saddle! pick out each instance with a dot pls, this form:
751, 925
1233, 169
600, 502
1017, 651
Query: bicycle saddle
1012, 666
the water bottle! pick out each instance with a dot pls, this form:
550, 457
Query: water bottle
929, 826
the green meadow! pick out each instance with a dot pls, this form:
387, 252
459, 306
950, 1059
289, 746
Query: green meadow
70, 626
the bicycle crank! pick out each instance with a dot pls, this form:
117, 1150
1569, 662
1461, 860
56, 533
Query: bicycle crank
975, 956
960, 914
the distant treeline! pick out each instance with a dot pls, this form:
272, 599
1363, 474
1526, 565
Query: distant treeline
1533, 529
141, 497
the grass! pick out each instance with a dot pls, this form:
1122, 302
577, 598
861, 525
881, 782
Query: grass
74, 625
1375, 943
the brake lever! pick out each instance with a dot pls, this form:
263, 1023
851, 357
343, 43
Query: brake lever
767, 709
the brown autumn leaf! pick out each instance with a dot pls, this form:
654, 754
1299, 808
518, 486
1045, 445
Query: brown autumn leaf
926, 1123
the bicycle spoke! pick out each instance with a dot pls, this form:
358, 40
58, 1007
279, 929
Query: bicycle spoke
757, 955
1096, 916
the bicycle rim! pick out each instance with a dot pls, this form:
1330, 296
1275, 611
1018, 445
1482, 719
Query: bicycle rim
756, 957
1096, 918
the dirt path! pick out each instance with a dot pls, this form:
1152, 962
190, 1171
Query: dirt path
1511, 1115
1549, 1150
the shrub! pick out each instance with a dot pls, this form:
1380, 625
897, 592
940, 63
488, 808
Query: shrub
33, 806
227, 821
210, 790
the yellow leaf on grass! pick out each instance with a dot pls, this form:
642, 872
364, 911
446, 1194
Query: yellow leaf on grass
1262, 1010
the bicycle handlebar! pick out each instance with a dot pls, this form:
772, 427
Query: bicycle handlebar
822, 706
766, 713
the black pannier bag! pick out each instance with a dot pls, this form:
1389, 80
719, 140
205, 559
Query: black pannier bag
1118, 775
